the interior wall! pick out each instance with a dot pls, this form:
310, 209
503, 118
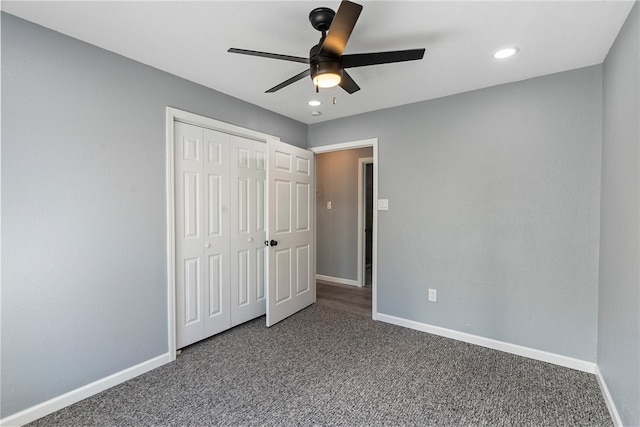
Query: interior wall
84, 289
494, 201
337, 228
619, 296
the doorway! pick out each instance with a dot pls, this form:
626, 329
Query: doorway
365, 219
365, 244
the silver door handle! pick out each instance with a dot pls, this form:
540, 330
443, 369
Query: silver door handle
208, 245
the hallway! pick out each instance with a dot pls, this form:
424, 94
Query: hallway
344, 297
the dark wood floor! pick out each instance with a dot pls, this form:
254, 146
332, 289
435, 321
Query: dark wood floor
344, 297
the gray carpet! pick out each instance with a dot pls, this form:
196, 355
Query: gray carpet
329, 367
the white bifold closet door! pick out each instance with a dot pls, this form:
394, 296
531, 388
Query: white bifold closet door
248, 171
220, 231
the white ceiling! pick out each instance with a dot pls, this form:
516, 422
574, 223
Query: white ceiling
190, 40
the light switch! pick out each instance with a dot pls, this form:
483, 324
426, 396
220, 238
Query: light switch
328, 205
383, 204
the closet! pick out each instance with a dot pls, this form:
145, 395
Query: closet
220, 257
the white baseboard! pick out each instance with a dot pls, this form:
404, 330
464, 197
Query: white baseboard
613, 411
556, 359
38, 411
340, 280
45, 408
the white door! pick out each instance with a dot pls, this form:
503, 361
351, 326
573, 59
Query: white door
291, 258
248, 169
202, 238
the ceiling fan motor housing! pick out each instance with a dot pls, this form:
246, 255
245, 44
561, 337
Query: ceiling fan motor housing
321, 64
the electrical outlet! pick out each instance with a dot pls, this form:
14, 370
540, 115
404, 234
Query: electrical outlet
328, 205
433, 295
383, 204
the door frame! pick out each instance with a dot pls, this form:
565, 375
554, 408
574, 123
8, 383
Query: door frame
372, 142
362, 210
172, 115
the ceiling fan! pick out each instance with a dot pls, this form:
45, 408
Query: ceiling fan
326, 62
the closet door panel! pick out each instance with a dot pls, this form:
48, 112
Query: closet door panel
190, 305
216, 232
247, 174
291, 268
260, 212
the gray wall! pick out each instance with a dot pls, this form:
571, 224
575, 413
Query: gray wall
619, 296
337, 228
83, 208
494, 201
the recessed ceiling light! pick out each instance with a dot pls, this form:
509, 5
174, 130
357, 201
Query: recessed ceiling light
316, 113
505, 53
314, 102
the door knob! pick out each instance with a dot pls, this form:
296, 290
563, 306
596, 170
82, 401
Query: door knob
208, 245
273, 243
250, 239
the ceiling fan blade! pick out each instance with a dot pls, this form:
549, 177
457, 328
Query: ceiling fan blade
341, 28
269, 55
348, 84
364, 59
293, 79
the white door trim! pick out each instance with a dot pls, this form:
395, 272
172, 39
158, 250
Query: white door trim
361, 219
372, 142
172, 115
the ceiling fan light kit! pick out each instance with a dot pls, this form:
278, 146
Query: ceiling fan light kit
326, 80
326, 61
326, 75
